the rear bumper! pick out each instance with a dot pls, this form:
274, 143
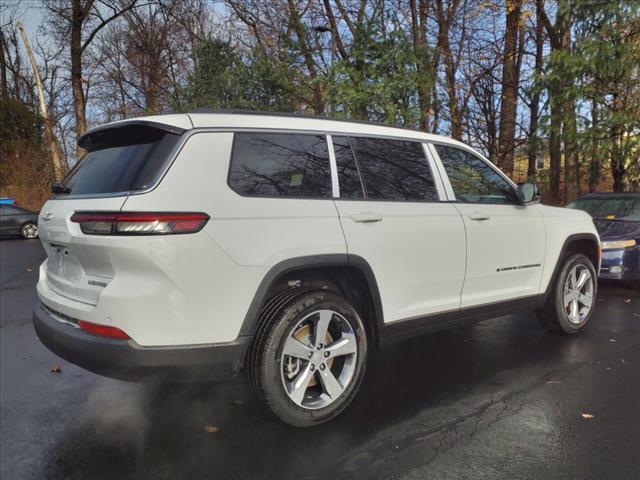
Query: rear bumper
126, 360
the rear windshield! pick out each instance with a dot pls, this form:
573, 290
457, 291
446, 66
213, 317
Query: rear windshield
121, 160
611, 208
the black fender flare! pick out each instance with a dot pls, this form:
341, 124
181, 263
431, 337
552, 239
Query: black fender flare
563, 251
252, 316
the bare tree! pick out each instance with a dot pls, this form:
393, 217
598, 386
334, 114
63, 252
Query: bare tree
510, 87
78, 22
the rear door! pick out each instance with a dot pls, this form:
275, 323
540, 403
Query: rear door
392, 215
118, 162
505, 240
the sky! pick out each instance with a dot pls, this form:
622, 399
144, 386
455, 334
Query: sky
29, 12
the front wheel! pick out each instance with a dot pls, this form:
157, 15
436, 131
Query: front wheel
310, 357
29, 230
572, 296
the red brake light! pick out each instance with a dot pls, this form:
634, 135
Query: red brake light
102, 330
139, 223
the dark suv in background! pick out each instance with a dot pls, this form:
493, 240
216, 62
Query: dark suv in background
617, 218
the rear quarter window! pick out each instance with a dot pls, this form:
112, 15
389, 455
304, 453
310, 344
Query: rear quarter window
280, 165
121, 160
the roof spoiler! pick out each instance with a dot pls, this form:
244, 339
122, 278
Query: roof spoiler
87, 139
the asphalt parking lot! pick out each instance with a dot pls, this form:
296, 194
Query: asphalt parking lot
501, 399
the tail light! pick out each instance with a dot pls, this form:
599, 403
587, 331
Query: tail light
139, 223
102, 330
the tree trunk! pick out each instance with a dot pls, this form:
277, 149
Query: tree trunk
555, 146
570, 130
594, 167
421, 49
534, 112
618, 172
443, 47
510, 80
79, 102
3, 68
450, 73
298, 28
58, 169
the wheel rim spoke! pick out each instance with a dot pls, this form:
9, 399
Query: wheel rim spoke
586, 299
330, 383
299, 386
345, 346
572, 279
574, 310
322, 326
295, 348
582, 279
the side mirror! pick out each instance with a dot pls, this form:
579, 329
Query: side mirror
528, 193
58, 188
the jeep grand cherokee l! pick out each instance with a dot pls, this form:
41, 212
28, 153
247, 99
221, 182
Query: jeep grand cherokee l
286, 247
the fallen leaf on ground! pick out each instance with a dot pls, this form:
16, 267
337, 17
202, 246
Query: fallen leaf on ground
211, 429
56, 369
554, 381
622, 361
627, 300
587, 415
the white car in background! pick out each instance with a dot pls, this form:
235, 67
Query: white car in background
202, 245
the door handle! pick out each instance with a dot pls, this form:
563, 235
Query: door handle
479, 216
366, 217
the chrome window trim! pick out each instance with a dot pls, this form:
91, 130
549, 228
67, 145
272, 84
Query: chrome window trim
325, 132
479, 156
333, 164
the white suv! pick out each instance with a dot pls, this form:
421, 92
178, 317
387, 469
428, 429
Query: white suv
202, 245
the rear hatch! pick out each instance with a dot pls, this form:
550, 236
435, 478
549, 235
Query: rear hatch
121, 160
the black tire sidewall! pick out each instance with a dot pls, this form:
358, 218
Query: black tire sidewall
562, 318
269, 376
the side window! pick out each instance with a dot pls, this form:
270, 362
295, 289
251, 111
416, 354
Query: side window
280, 165
394, 169
9, 210
472, 180
348, 174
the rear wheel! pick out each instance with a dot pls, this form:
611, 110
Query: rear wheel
29, 230
572, 298
309, 359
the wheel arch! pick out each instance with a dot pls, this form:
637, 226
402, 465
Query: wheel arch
348, 275
585, 243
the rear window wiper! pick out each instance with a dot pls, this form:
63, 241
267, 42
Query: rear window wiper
59, 188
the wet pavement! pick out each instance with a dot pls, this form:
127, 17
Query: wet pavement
501, 399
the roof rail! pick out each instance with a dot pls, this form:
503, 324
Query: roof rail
238, 111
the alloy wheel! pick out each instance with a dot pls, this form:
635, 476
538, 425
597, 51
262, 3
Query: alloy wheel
319, 358
578, 293
30, 230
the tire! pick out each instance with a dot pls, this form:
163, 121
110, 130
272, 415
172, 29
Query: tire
29, 230
569, 318
328, 377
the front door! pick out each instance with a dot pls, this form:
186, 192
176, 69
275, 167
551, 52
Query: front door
505, 240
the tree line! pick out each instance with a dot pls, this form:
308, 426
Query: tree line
546, 89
